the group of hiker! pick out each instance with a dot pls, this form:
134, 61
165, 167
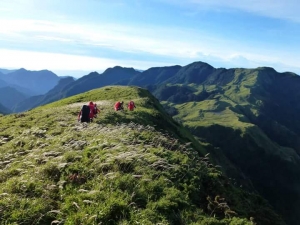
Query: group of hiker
90, 111
119, 106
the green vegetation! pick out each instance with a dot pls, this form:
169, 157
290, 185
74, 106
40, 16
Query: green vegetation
137, 167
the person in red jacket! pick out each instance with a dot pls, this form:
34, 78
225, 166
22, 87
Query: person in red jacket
96, 110
131, 106
119, 106
92, 107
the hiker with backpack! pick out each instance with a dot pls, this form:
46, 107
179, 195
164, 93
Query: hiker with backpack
86, 113
119, 106
131, 105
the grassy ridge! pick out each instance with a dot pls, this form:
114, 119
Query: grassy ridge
136, 167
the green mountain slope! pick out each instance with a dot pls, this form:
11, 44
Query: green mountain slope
250, 117
137, 167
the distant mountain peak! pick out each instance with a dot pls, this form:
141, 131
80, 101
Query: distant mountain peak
22, 70
120, 67
200, 63
116, 68
93, 73
266, 68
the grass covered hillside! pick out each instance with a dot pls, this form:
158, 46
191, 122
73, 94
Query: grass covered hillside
136, 167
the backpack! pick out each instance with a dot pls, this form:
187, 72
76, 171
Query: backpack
85, 114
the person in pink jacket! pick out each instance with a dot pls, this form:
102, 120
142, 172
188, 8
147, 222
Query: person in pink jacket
118, 106
131, 106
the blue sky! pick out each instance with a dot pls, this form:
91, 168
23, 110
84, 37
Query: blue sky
75, 37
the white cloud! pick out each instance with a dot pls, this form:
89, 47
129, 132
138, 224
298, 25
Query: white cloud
64, 62
42, 60
127, 39
287, 9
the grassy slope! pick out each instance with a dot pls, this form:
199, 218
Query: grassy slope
134, 167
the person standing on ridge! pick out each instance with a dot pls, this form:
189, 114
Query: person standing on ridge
131, 105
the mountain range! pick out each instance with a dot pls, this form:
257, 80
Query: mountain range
18, 85
6, 71
4, 110
247, 119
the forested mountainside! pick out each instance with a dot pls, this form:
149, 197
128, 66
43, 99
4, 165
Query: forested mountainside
126, 167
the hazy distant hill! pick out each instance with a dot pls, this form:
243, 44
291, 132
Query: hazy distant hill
128, 167
18, 85
50, 96
38, 82
4, 110
6, 71
10, 96
2, 82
